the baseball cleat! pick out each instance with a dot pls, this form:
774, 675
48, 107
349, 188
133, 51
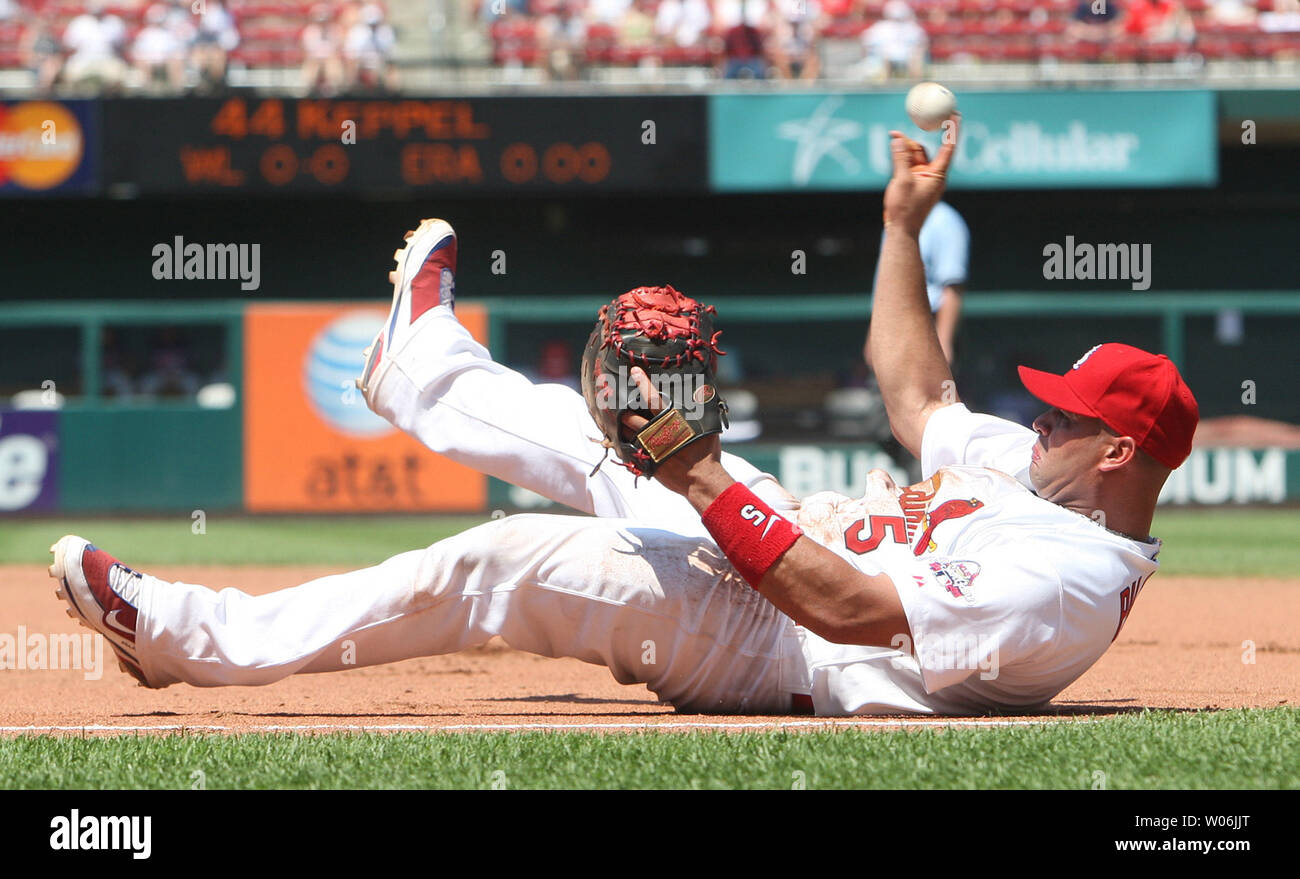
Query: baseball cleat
425, 278
102, 594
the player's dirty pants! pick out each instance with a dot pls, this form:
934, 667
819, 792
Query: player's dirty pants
654, 607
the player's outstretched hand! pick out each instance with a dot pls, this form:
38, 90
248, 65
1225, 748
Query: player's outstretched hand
697, 465
918, 183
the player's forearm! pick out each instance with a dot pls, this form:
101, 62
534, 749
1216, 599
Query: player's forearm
832, 599
809, 583
906, 355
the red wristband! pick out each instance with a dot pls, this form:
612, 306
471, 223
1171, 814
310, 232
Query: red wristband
750, 534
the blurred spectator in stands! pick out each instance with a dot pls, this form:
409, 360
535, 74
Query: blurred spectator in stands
839, 10
1093, 23
368, 51
215, 38
1285, 17
794, 39
561, 36
181, 21
606, 11
95, 39
170, 372
683, 23
636, 29
896, 45
322, 52
743, 53
744, 50
729, 13
1176, 26
1232, 12
9, 9
41, 54
157, 53
492, 10
1141, 17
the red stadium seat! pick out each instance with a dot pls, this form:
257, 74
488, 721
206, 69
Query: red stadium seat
1213, 47
942, 49
691, 56
514, 40
844, 29
602, 40
630, 55
253, 57
272, 33
951, 27
1126, 49
1051, 26
1081, 51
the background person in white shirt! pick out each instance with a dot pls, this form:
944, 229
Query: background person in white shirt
895, 46
368, 50
683, 23
94, 39
216, 37
157, 53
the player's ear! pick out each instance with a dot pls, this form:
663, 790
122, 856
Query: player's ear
1117, 451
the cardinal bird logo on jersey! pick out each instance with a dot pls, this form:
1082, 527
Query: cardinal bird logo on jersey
953, 509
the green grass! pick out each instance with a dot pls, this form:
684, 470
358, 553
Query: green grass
236, 539
1226, 749
1219, 542
1228, 542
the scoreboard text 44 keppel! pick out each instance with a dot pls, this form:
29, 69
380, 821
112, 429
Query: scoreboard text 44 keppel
450, 144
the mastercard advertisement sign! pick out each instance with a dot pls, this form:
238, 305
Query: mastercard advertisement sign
310, 442
47, 147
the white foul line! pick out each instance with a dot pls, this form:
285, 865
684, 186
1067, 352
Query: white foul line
825, 723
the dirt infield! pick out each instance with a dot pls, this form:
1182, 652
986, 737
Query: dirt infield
1183, 647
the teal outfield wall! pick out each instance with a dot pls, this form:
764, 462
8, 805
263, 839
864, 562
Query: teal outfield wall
165, 458
1211, 477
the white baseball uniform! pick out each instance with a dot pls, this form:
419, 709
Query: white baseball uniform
1010, 597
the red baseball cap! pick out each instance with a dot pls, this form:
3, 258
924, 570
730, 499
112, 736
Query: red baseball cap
1133, 392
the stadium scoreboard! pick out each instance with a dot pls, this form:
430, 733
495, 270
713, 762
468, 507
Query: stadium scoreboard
460, 145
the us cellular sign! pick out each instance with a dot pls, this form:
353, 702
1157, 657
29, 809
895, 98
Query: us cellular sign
1010, 140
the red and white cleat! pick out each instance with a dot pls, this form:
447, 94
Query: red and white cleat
425, 278
102, 594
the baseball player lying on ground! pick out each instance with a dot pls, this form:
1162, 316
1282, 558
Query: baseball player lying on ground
991, 585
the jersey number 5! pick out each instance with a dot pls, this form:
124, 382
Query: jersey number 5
879, 525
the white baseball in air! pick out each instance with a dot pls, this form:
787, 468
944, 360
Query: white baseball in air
929, 104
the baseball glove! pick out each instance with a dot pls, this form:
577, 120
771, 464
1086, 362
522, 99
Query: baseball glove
671, 337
